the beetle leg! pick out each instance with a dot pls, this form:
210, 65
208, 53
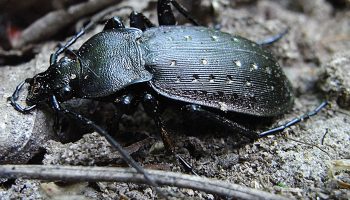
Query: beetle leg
54, 56
166, 15
93, 21
57, 107
272, 39
138, 20
125, 105
222, 120
151, 106
68, 52
294, 121
114, 23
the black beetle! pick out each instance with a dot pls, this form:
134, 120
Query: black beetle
206, 71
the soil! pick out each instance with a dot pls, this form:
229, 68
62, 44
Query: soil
295, 164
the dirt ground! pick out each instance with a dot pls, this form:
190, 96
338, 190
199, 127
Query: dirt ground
315, 57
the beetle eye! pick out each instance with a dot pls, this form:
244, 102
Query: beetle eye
64, 61
35, 89
65, 92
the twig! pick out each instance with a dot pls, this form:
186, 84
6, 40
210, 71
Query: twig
100, 16
114, 174
342, 111
51, 23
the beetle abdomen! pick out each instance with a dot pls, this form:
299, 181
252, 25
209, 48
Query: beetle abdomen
215, 69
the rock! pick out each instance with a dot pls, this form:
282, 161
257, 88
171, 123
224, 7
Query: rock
334, 79
22, 135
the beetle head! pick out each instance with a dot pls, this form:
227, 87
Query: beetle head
58, 79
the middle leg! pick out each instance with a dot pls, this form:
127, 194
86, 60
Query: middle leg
151, 106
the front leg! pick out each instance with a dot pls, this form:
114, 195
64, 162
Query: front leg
57, 108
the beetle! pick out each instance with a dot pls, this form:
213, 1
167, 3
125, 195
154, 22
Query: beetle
206, 71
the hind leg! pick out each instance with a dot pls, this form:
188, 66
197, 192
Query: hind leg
220, 120
246, 131
294, 121
272, 39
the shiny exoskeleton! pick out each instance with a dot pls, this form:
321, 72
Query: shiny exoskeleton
207, 71
210, 68
192, 64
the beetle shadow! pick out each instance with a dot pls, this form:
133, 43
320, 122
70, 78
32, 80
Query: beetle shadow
203, 127
68, 129
187, 129
183, 124
130, 128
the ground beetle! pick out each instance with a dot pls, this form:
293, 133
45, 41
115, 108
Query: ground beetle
207, 71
